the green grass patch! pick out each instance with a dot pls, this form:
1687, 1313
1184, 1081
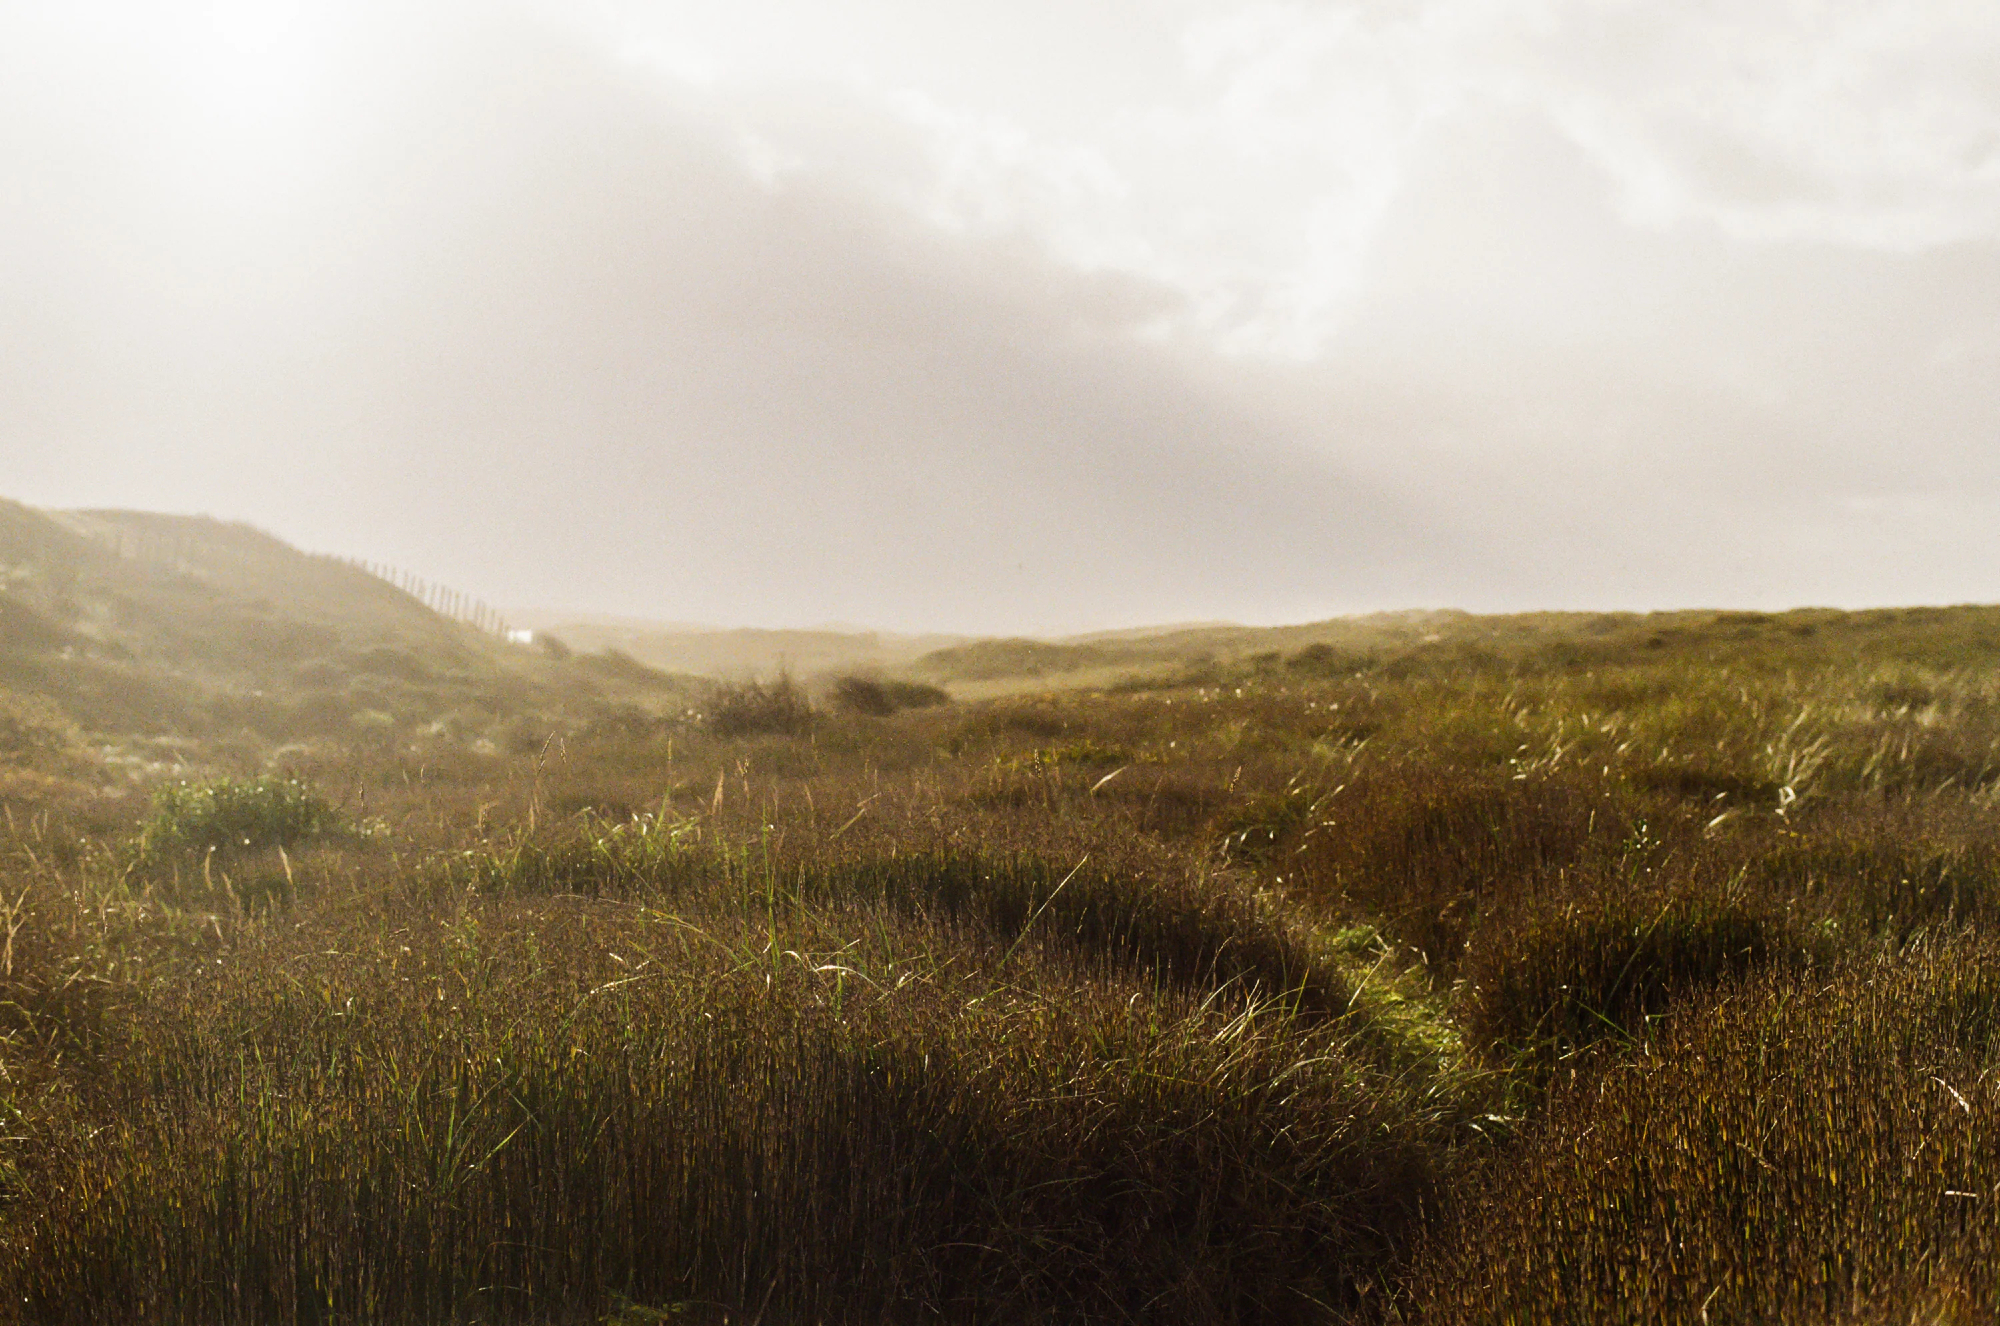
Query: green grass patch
238, 814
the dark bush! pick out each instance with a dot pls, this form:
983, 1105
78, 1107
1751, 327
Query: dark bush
878, 698
1323, 660
756, 708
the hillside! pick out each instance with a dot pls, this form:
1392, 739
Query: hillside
1420, 969
139, 624
135, 624
1439, 640
1430, 970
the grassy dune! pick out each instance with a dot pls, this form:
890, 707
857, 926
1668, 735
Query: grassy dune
1522, 970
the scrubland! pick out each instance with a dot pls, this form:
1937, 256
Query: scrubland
1538, 972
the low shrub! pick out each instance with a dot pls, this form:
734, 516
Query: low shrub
590, 855
1324, 660
878, 698
231, 814
756, 708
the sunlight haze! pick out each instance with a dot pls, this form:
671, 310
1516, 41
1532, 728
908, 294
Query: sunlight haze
1025, 318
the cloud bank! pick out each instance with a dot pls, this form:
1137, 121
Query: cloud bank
1064, 316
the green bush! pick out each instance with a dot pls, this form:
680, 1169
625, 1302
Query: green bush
230, 814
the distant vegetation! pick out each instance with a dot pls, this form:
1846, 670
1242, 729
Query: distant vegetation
168, 634
1420, 969
880, 698
752, 708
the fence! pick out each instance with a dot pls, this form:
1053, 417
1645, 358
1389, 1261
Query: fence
183, 550
442, 600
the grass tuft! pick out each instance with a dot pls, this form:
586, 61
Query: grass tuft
229, 814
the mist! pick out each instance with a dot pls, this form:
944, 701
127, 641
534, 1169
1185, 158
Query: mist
1098, 316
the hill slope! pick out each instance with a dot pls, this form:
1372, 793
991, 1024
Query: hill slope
1461, 642
143, 624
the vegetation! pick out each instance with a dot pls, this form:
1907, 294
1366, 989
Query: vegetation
777, 707
236, 813
159, 633
1426, 970
880, 697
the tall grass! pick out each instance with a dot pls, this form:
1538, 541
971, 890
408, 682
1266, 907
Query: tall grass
1625, 970
1797, 1148
529, 1112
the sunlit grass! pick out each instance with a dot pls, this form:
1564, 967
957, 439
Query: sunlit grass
1544, 978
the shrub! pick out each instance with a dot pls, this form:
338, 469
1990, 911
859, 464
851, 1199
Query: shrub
756, 708
229, 814
878, 698
592, 855
1323, 660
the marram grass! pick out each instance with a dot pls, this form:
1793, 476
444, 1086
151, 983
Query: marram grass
1633, 974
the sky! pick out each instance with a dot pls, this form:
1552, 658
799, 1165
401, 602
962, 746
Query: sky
1033, 317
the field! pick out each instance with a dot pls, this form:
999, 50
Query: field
1431, 970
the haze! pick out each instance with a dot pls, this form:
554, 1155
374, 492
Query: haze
1026, 317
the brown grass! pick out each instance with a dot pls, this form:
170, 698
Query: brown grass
1550, 974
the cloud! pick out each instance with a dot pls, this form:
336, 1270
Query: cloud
1251, 159
1869, 125
1302, 309
552, 342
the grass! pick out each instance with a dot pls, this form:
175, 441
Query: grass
1791, 1148
1565, 970
235, 814
530, 1107
755, 708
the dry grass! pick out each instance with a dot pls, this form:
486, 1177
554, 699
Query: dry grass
1536, 976
1794, 1148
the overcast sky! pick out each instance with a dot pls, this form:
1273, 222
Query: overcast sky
1037, 315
